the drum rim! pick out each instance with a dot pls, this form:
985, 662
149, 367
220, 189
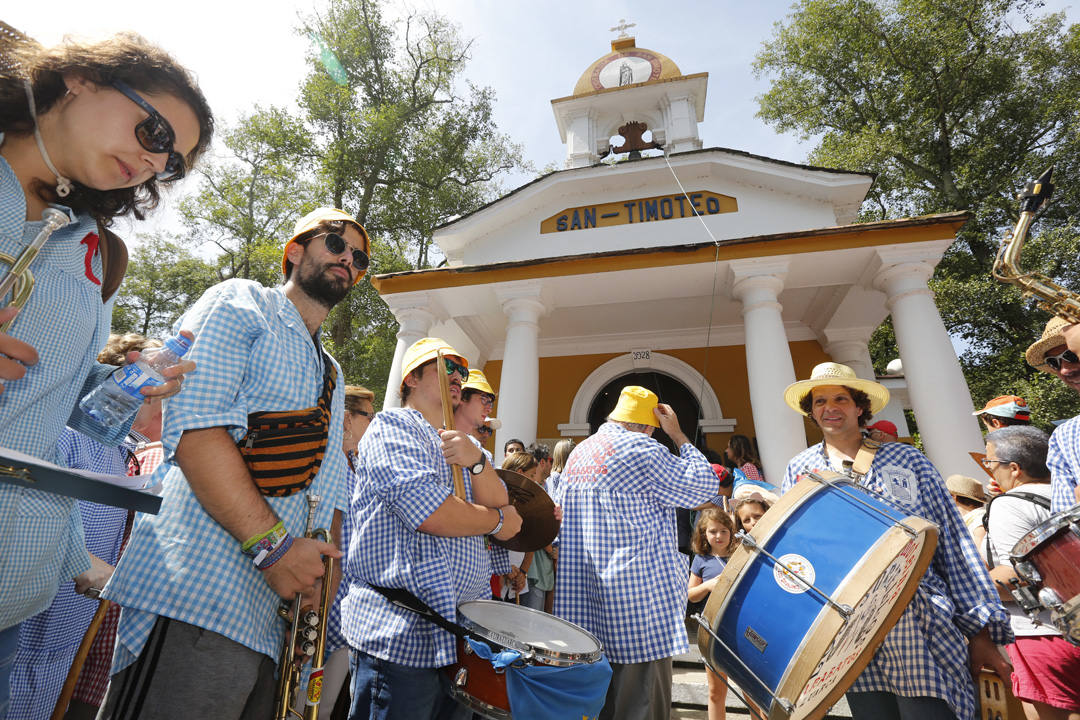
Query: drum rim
545, 656
1044, 531
477, 705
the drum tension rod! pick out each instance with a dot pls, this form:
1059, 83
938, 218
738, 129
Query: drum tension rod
747, 539
839, 488
783, 702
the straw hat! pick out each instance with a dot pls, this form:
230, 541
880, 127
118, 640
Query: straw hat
830, 373
636, 406
312, 221
478, 381
1051, 338
965, 486
426, 349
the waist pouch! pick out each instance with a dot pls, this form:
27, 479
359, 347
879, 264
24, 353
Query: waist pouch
284, 450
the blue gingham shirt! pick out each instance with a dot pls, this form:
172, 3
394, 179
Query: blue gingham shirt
402, 478
41, 535
49, 640
1063, 459
621, 575
926, 653
254, 354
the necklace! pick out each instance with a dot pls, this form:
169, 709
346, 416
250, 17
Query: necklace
63, 184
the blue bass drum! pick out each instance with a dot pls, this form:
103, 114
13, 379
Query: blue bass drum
809, 595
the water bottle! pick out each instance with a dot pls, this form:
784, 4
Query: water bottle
114, 400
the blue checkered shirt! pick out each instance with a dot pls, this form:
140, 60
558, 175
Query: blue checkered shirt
254, 354
41, 536
926, 653
402, 478
1063, 459
621, 575
49, 640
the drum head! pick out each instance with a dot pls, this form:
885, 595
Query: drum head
552, 640
830, 652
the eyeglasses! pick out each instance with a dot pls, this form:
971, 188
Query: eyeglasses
155, 134
487, 402
336, 245
1054, 361
365, 413
988, 462
455, 367
484, 430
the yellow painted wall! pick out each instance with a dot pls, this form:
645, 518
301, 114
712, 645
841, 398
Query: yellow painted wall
560, 378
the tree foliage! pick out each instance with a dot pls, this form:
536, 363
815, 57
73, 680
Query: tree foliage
953, 104
163, 280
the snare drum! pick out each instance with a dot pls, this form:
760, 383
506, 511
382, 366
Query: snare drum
794, 645
542, 640
1048, 559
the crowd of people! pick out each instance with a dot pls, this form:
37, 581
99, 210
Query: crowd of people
267, 441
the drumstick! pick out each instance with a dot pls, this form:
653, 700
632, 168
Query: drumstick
448, 422
80, 658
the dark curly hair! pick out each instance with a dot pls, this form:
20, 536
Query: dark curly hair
862, 401
126, 57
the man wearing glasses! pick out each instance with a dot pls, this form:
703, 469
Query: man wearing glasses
1052, 354
202, 581
413, 533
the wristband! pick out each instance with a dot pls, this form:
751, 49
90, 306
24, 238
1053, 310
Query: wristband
265, 559
268, 539
499, 526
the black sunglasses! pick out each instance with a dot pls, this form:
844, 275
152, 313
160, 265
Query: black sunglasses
336, 245
1054, 361
155, 134
452, 367
365, 413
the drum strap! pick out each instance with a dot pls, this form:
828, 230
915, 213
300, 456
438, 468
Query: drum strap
863, 459
1030, 497
407, 601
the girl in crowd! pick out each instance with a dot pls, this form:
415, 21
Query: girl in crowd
537, 566
558, 462
92, 130
741, 452
714, 539
748, 511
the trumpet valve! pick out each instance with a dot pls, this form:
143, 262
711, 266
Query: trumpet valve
310, 618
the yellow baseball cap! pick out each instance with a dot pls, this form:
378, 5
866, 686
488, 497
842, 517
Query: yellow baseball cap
636, 406
478, 381
426, 349
312, 220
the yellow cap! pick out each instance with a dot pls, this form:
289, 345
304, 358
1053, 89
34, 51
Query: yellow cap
320, 215
636, 406
426, 349
478, 381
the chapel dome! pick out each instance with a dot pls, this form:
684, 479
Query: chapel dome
626, 64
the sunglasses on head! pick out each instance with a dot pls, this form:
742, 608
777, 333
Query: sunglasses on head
1054, 361
336, 245
155, 134
455, 367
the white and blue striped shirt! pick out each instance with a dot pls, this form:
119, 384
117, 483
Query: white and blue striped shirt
1063, 459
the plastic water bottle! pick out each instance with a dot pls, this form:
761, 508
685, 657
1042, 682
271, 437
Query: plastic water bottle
114, 400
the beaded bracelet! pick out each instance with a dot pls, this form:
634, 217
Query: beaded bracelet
264, 561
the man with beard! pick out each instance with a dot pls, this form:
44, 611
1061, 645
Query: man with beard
201, 582
1056, 353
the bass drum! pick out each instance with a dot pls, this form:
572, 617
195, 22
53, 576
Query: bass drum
1048, 559
794, 645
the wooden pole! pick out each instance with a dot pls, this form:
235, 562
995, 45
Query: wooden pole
448, 422
80, 658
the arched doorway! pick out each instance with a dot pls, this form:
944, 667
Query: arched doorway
667, 388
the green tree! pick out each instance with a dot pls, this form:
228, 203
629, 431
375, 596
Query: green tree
247, 202
163, 279
953, 104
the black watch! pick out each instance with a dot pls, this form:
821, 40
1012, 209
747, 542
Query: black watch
479, 466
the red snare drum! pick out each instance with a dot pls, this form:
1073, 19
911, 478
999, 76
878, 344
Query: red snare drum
1048, 559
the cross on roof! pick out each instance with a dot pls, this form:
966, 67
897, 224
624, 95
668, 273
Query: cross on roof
622, 27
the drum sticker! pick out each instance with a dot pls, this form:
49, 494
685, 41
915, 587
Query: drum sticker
755, 639
901, 483
800, 566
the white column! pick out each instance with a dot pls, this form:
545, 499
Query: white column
939, 394
779, 429
415, 322
519, 384
849, 346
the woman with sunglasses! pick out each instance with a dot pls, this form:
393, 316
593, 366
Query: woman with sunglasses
92, 130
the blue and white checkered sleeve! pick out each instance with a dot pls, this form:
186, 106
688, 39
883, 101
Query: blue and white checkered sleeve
685, 480
401, 471
1062, 471
223, 324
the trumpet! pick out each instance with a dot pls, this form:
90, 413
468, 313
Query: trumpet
19, 281
1051, 296
307, 632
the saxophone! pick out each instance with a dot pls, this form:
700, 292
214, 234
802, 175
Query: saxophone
1051, 296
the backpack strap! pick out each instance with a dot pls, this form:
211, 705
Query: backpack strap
1030, 497
114, 261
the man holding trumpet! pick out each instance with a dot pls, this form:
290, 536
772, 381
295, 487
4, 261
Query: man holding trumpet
202, 582
414, 533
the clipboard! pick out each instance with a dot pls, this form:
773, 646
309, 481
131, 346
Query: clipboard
22, 470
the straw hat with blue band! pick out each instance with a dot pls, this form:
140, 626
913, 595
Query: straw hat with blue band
830, 373
636, 405
312, 220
